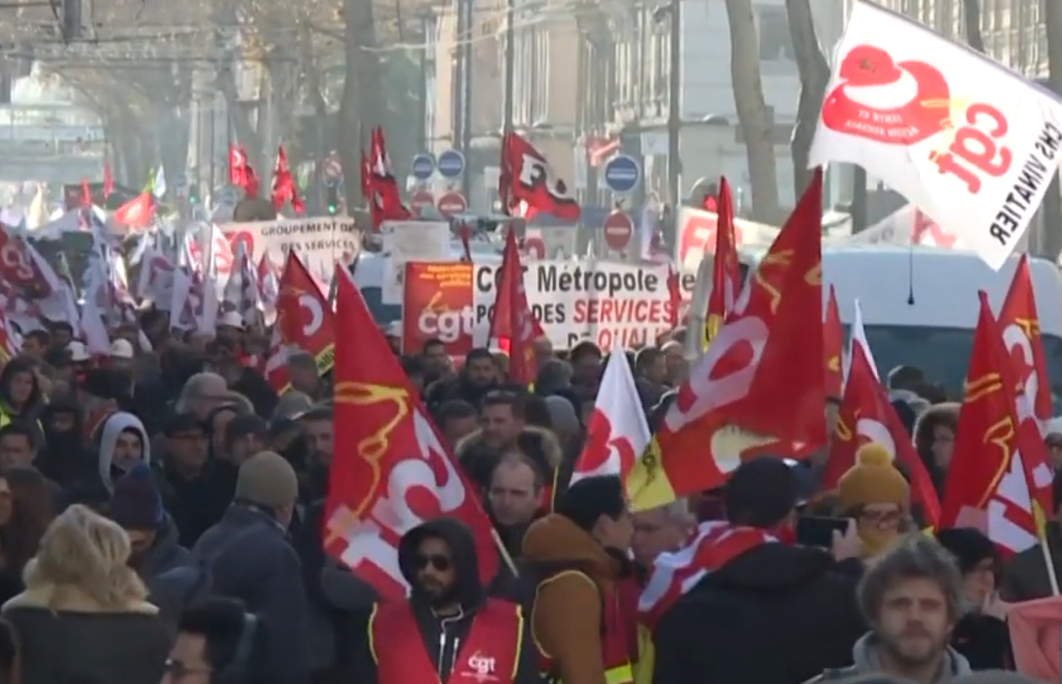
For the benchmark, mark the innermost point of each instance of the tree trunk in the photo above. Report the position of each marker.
(1051, 244)
(971, 19)
(753, 116)
(814, 77)
(363, 76)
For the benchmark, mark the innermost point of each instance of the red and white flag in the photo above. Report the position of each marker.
(972, 144)
(618, 432)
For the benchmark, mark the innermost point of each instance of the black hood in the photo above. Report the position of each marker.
(462, 547)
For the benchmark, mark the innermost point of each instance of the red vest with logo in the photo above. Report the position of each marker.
(489, 655)
(615, 641)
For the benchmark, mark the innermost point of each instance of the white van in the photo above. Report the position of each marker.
(920, 305)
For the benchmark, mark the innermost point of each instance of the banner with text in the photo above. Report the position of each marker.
(319, 240)
(573, 301)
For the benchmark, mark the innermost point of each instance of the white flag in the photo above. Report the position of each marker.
(971, 143)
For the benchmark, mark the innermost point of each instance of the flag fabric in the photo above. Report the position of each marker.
(867, 416)
(988, 480)
(617, 431)
(284, 190)
(158, 184)
(726, 271)
(1020, 322)
(385, 199)
(304, 321)
(528, 184)
(754, 388)
(971, 143)
(397, 473)
(512, 322)
(833, 347)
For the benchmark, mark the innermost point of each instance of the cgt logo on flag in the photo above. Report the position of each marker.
(971, 143)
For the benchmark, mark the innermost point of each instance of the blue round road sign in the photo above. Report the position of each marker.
(622, 173)
(451, 164)
(423, 166)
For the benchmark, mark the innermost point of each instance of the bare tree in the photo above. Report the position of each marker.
(814, 77)
(360, 107)
(756, 123)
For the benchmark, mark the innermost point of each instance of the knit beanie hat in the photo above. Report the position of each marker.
(969, 546)
(872, 480)
(266, 479)
(136, 503)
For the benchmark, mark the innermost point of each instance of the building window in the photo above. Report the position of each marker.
(776, 44)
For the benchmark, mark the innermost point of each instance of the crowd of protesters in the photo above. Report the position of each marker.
(161, 514)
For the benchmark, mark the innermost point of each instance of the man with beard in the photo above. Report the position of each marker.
(478, 376)
(448, 630)
(578, 555)
(912, 599)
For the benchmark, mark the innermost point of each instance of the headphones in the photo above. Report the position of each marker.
(236, 671)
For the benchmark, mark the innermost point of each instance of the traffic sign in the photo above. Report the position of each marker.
(622, 173)
(423, 166)
(333, 168)
(451, 203)
(451, 164)
(420, 200)
(618, 230)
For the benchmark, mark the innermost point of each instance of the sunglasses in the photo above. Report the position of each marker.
(440, 563)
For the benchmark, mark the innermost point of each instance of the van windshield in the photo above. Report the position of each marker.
(382, 313)
(944, 353)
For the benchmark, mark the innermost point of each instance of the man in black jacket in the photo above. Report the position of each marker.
(448, 630)
(774, 613)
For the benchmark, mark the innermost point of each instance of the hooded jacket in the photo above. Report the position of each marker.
(443, 637)
(478, 460)
(866, 662)
(113, 426)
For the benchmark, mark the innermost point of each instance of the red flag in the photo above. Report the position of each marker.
(988, 481)
(674, 296)
(512, 322)
(726, 272)
(833, 347)
(867, 416)
(528, 180)
(241, 173)
(1020, 323)
(284, 189)
(754, 388)
(108, 182)
(304, 320)
(86, 194)
(386, 203)
(396, 473)
(137, 212)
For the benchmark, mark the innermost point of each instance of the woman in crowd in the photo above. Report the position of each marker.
(83, 615)
(26, 509)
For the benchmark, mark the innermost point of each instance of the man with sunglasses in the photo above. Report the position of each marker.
(212, 646)
(448, 630)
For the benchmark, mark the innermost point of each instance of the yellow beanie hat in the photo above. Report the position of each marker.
(872, 480)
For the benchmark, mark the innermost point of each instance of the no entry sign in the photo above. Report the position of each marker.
(452, 203)
(618, 230)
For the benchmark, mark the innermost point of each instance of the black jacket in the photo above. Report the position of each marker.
(984, 641)
(442, 638)
(777, 614)
(251, 558)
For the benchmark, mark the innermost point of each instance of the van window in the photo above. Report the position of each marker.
(944, 354)
(381, 313)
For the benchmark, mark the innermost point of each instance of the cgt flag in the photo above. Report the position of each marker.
(971, 143)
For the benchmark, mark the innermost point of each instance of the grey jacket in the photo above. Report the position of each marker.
(866, 662)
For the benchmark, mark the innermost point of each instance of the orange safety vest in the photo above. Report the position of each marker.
(491, 653)
(615, 641)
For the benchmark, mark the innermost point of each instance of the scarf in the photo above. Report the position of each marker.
(674, 574)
